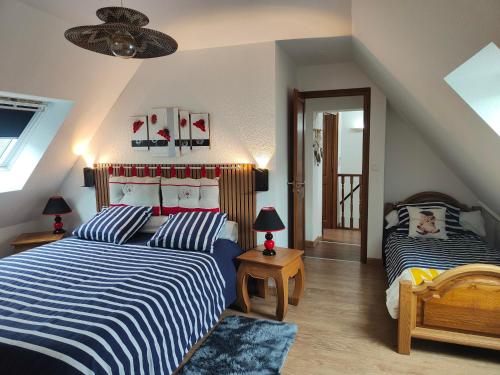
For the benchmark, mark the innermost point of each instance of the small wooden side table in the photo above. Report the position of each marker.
(28, 241)
(285, 264)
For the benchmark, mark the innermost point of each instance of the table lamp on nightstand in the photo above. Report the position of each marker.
(268, 221)
(57, 206)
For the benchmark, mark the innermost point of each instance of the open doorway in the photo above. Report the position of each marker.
(329, 152)
(342, 169)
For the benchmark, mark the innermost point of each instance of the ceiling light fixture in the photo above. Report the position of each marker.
(122, 34)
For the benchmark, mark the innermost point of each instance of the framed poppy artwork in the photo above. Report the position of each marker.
(200, 130)
(138, 126)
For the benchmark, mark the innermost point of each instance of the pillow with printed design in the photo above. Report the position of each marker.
(427, 223)
(452, 216)
(135, 191)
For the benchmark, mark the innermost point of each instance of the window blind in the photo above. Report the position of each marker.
(13, 122)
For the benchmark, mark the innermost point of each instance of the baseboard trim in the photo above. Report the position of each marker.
(313, 243)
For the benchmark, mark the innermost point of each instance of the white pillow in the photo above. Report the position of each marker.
(392, 219)
(427, 222)
(135, 191)
(473, 221)
(153, 224)
(229, 231)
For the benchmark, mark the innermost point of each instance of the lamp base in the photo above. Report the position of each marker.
(270, 252)
(58, 225)
(269, 245)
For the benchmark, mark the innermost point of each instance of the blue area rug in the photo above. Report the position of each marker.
(241, 345)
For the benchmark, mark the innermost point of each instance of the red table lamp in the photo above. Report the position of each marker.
(268, 221)
(57, 206)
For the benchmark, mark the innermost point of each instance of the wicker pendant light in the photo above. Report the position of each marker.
(122, 34)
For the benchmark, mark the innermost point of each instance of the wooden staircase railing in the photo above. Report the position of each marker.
(354, 184)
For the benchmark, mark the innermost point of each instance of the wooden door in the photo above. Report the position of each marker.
(330, 163)
(297, 185)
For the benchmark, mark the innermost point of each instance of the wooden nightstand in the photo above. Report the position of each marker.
(285, 264)
(28, 241)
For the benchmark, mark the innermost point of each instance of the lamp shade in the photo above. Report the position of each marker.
(268, 221)
(56, 206)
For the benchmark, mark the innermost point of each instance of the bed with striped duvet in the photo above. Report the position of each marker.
(78, 306)
(403, 253)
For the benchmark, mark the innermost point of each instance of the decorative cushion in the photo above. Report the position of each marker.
(114, 224)
(209, 194)
(189, 194)
(135, 191)
(474, 222)
(427, 222)
(452, 216)
(195, 231)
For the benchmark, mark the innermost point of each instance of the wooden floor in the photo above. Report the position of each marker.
(342, 235)
(334, 250)
(344, 328)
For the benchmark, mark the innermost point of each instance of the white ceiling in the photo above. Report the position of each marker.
(318, 51)
(202, 24)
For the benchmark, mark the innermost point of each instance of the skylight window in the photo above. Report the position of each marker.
(15, 118)
(27, 126)
(477, 81)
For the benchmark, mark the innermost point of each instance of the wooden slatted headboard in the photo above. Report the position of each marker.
(236, 195)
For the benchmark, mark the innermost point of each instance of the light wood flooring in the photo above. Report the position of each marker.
(344, 328)
(337, 244)
(334, 250)
(342, 235)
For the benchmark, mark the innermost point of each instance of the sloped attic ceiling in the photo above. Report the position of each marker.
(197, 24)
(408, 47)
(37, 60)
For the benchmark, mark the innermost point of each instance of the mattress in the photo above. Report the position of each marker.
(77, 306)
(403, 253)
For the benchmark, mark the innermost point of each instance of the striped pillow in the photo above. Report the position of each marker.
(114, 224)
(190, 231)
(452, 216)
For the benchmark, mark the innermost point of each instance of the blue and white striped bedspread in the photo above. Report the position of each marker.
(98, 308)
(403, 252)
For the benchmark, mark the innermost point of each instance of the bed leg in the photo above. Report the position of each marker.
(407, 316)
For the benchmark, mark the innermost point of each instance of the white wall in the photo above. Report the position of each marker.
(10, 233)
(286, 81)
(313, 176)
(348, 75)
(350, 142)
(236, 85)
(411, 166)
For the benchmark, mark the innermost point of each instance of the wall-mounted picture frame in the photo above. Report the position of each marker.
(200, 130)
(161, 125)
(138, 127)
(184, 131)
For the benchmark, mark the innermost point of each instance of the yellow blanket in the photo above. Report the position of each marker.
(418, 275)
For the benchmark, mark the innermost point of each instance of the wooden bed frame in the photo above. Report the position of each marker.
(460, 306)
(236, 190)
